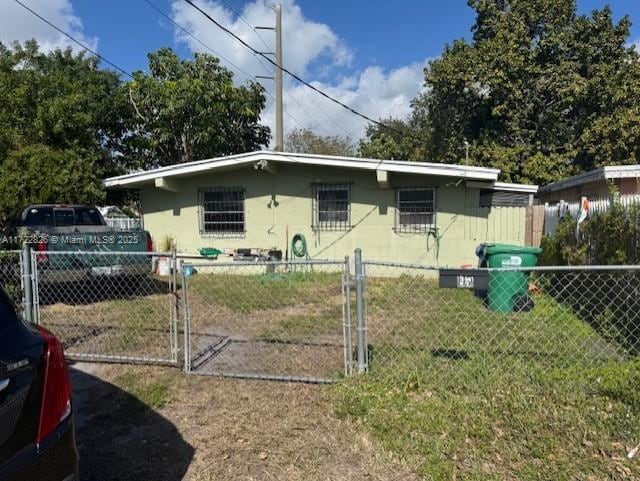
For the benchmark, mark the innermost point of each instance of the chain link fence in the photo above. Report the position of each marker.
(558, 323)
(267, 320)
(11, 277)
(317, 321)
(109, 306)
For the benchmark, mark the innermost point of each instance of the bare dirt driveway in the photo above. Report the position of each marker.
(142, 423)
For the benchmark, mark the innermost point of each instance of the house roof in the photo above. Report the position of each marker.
(603, 173)
(147, 177)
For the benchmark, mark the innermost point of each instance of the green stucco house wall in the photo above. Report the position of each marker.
(395, 211)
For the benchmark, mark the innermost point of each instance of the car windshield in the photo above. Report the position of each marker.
(63, 217)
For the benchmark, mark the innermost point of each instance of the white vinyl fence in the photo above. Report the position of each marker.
(124, 223)
(553, 212)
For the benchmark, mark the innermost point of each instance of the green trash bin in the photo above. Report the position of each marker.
(508, 291)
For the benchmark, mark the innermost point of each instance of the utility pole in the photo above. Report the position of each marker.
(279, 126)
(279, 147)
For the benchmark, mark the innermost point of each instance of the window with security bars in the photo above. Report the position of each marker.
(222, 212)
(332, 207)
(415, 209)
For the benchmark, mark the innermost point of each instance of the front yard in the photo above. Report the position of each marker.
(157, 424)
(454, 391)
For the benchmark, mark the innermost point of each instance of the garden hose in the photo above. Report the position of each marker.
(299, 246)
(434, 232)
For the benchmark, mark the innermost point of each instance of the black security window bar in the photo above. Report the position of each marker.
(415, 210)
(332, 207)
(222, 212)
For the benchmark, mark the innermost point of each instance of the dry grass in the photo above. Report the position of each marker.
(215, 429)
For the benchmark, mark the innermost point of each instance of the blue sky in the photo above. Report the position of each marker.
(368, 53)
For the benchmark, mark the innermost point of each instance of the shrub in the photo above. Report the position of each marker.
(609, 238)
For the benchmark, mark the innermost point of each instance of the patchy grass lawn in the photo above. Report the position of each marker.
(157, 424)
(459, 392)
(246, 293)
(454, 392)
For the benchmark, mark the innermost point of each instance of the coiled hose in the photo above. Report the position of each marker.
(299, 246)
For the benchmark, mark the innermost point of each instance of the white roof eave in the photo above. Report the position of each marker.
(523, 188)
(191, 168)
(603, 173)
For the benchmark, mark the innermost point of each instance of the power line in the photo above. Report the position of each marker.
(186, 31)
(240, 69)
(293, 75)
(78, 42)
(246, 22)
(295, 101)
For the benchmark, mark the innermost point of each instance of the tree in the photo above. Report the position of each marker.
(396, 139)
(305, 141)
(535, 90)
(60, 118)
(539, 92)
(185, 110)
(42, 174)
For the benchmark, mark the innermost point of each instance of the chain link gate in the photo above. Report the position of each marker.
(108, 307)
(287, 321)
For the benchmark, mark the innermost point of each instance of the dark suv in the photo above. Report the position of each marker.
(37, 440)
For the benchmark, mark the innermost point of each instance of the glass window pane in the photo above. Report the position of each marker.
(223, 210)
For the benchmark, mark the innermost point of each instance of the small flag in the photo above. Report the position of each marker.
(582, 216)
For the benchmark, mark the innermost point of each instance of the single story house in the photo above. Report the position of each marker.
(400, 211)
(598, 186)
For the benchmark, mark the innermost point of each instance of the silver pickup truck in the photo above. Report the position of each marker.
(73, 242)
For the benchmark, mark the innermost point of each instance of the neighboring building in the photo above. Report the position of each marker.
(393, 210)
(598, 186)
(593, 184)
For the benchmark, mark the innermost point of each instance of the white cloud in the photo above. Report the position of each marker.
(311, 50)
(16, 23)
(636, 44)
(373, 92)
(304, 40)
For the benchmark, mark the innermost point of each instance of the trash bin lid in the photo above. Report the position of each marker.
(511, 249)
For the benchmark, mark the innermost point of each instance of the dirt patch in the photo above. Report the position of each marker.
(216, 429)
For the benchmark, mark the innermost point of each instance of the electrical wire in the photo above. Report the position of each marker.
(206, 46)
(74, 40)
(246, 22)
(288, 72)
(188, 32)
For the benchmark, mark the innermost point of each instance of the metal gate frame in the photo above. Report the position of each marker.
(31, 288)
(346, 291)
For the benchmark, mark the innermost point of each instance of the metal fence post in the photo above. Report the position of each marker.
(27, 285)
(346, 318)
(187, 323)
(361, 327)
(175, 306)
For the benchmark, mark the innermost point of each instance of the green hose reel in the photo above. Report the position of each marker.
(299, 246)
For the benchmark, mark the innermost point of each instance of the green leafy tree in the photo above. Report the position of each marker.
(42, 174)
(185, 110)
(61, 116)
(305, 141)
(539, 92)
(396, 139)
